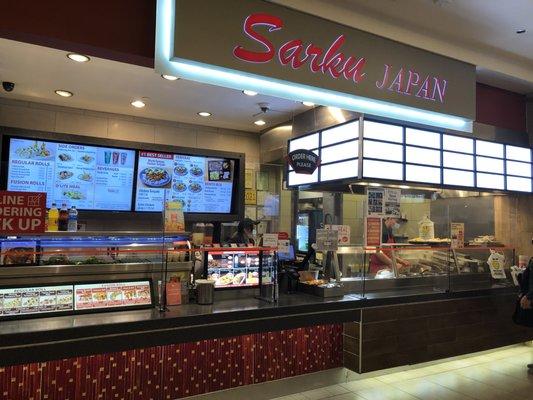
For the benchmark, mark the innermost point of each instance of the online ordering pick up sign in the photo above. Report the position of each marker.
(22, 212)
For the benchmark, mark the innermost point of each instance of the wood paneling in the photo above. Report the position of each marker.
(411, 333)
(500, 108)
(180, 370)
(121, 30)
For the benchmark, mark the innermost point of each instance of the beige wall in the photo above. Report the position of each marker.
(414, 210)
(353, 216)
(514, 223)
(49, 118)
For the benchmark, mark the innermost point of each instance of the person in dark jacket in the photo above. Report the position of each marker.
(526, 292)
(244, 234)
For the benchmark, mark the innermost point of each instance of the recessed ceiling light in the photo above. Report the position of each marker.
(204, 114)
(78, 57)
(138, 103)
(375, 184)
(63, 93)
(519, 31)
(249, 92)
(169, 77)
(260, 122)
(308, 103)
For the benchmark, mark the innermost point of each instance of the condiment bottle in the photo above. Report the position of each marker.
(53, 218)
(63, 218)
(426, 228)
(73, 219)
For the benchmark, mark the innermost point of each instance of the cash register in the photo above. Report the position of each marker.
(290, 266)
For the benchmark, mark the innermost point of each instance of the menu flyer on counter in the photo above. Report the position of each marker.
(88, 177)
(200, 184)
(327, 240)
(457, 230)
(112, 294)
(35, 300)
(344, 232)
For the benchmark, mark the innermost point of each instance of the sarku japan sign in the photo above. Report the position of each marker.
(255, 38)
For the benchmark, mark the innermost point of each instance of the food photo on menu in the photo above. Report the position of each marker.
(155, 177)
(88, 177)
(220, 170)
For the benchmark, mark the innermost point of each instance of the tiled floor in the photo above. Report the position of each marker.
(496, 375)
(499, 375)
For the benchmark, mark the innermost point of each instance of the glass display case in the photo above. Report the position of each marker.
(239, 267)
(56, 262)
(434, 268)
(417, 269)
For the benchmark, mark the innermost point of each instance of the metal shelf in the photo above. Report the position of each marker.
(82, 234)
(101, 270)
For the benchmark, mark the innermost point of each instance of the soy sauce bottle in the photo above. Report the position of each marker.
(63, 218)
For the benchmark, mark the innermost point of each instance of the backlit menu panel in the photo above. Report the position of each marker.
(35, 300)
(200, 184)
(88, 177)
(110, 295)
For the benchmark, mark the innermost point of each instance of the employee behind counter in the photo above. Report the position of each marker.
(245, 232)
(383, 259)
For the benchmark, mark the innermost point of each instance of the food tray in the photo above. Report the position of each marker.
(319, 291)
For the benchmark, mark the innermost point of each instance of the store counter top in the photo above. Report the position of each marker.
(40, 339)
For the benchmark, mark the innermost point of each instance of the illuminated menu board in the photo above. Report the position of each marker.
(35, 300)
(110, 295)
(200, 184)
(88, 177)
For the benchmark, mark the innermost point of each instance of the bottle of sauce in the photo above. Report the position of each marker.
(426, 228)
(208, 237)
(53, 218)
(63, 218)
(72, 219)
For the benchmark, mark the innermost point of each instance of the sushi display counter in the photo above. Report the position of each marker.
(426, 269)
(63, 272)
(239, 268)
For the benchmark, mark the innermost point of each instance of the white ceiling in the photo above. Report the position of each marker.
(481, 32)
(110, 86)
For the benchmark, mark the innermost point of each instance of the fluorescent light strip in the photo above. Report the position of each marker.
(239, 80)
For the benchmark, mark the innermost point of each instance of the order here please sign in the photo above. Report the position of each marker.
(22, 212)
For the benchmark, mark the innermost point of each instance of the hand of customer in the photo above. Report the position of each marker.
(525, 303)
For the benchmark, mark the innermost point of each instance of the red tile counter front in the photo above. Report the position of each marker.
(181, 370)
